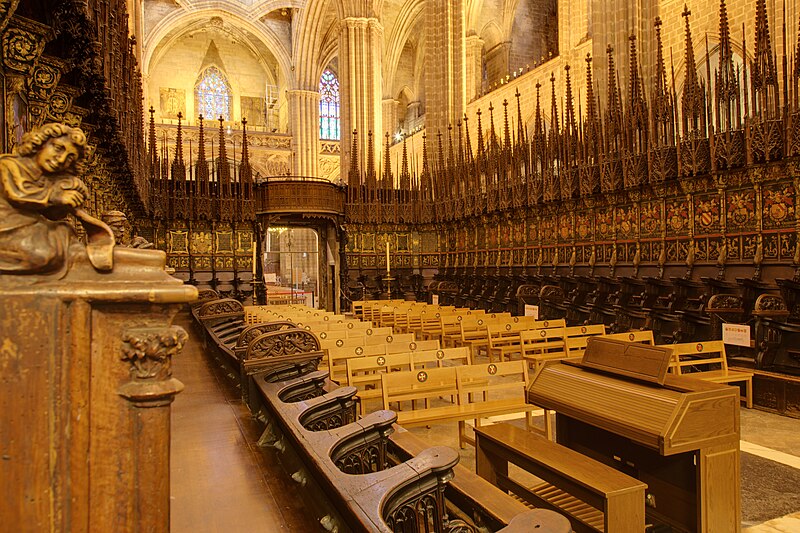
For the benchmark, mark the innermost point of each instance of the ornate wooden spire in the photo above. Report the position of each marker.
(763, 74)
(245, 172)
(405, 175)
(613, 106)
(223, 172)
(637, 114)
(388, 178)
(152, 151)
(371, 177)
(693, 97)
(591, 128)
(727, 96)
(353, 178)
(663, 110)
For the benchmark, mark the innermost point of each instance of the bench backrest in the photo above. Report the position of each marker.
(348, 342)
(431, 358)
(332, 335)
(544, 342)
(337, 359)
(413, 346)
(578, 335)
(708, 355)
(641, 336)
(424, 384)
(400, 338)
(493, 381)
(363, 372)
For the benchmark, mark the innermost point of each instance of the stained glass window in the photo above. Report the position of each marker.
(213, 94)
(328, 105)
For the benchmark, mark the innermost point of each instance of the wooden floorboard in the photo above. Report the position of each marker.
(220, 480)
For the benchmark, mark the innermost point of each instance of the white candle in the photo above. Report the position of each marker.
(388, 268)
(254, 260)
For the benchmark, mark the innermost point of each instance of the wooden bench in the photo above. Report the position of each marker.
(482, 391)
(578, 335)
(541, 345)
(364, 373)
(594, 496)
(707, 360)
(337, 359)
(640, 336)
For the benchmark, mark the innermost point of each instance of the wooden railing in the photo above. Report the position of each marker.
(293, 194)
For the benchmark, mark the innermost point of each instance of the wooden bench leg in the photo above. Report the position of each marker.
(462, 434)
(748, 387)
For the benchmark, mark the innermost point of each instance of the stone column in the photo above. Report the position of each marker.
(445, 73)
(304, 125)
(360, 49)
(473, 67)
(390, 115)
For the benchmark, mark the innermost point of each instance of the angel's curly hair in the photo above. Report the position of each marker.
(33, 140)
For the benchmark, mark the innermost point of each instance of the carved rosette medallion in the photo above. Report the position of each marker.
(149, 353)
(21, 49)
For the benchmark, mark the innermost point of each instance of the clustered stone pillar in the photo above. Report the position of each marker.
(360, 47)
(444, 73)
(390, 114)
(473, 67)
(304, 120)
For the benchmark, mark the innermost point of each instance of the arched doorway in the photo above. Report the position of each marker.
(291, 265)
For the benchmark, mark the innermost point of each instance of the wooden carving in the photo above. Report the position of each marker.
(40, 189)
(280, 343)
(149, 353)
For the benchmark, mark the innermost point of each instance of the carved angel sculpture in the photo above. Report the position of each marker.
(39, 188)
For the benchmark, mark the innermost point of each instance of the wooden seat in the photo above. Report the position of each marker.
(592, 495)
(707, 360)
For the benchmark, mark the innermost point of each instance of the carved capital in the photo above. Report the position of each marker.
(149, 353)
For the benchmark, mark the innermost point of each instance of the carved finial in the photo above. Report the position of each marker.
(388, 178)
(354, 178)
(370, 159)
(223, 172)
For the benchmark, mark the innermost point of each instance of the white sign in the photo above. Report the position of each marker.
(736, 334)
(532, 310)
(271, 277)
(435, 299)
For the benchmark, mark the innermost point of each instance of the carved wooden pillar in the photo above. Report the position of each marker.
(85, 366)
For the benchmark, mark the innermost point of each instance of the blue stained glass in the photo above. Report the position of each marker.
(213, 94)
(328, 106)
